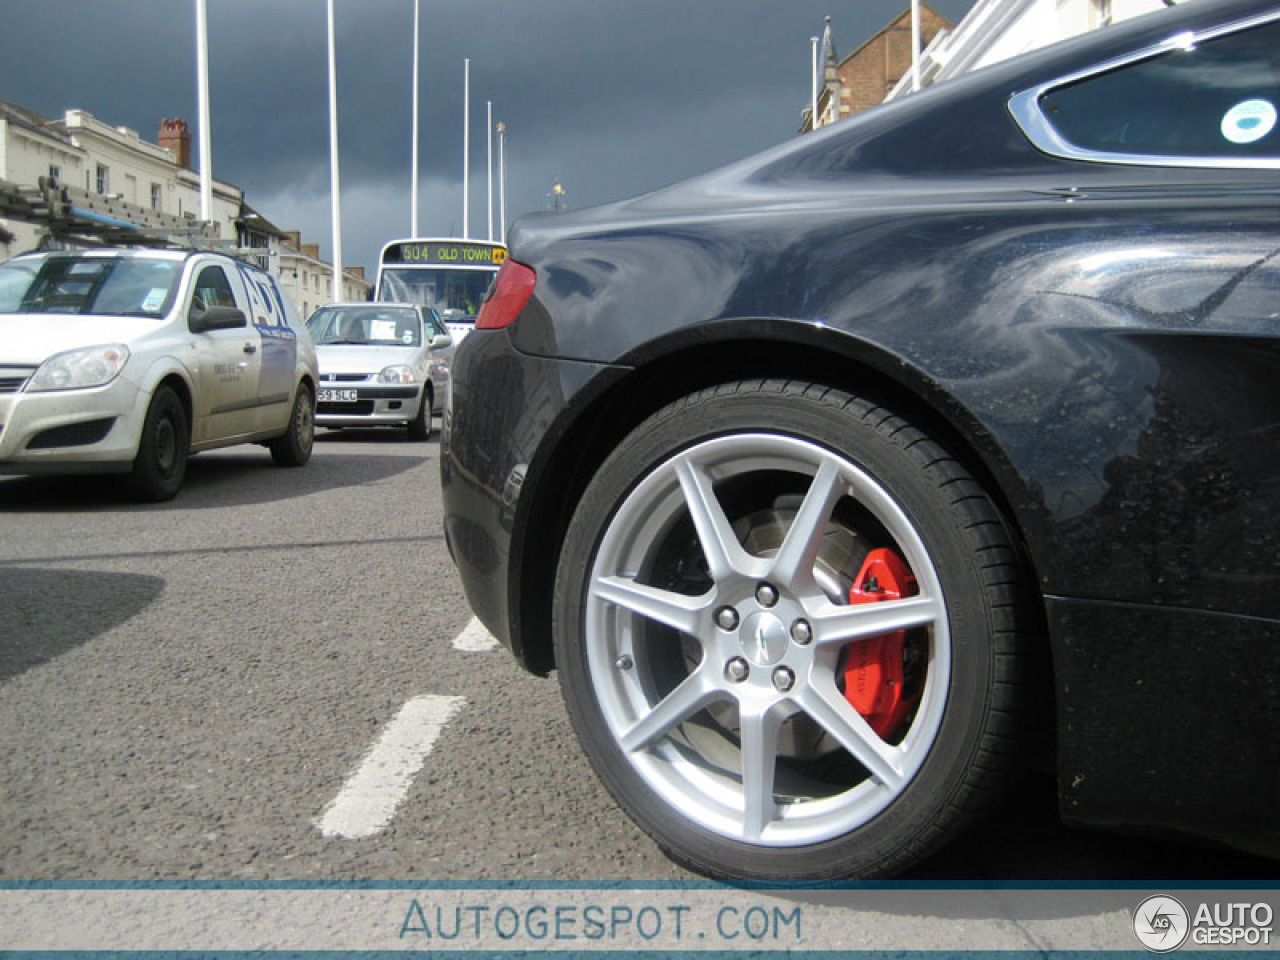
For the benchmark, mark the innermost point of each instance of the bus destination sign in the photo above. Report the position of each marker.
(446, 253)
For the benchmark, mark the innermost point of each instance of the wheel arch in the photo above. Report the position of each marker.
(179, 385)
(721, 353)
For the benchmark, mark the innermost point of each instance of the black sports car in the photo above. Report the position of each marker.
(841, 483)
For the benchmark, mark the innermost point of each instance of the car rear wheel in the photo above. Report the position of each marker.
(293, 447)
(161, 462)
(420, 426)
(787, 627)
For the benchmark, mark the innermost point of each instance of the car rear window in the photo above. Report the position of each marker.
(1218, 98)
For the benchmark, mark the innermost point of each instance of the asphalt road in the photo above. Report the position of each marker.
(187, 690)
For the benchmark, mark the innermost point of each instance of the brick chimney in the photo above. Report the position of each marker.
(176, 138)
(311, 250)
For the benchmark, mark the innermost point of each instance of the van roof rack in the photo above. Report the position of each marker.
(76, 217)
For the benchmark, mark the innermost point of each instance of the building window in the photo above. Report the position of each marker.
(157, 197)
(104, 180)
(55, 172)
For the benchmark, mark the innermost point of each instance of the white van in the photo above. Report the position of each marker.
(126, 361)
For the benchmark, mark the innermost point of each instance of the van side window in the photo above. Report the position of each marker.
(213, 289)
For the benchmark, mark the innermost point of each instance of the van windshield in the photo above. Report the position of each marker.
(106, 286)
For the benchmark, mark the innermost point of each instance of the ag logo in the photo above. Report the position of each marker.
(1161, 923)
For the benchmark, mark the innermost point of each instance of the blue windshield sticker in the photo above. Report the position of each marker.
(1249, 121)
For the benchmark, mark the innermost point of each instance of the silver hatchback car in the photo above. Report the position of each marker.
(381, 364)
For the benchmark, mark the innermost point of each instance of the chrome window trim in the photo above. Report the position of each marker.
(1025, 107)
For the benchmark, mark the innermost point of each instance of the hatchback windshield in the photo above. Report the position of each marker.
(109, 286)
(383, 326)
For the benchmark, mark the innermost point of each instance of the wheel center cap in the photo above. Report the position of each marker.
(764, 639)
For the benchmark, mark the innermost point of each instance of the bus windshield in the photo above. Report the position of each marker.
(447, 274)
(455, 294)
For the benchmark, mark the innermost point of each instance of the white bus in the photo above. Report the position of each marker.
(449, 275)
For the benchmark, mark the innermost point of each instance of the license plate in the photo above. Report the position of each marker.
(338, 396)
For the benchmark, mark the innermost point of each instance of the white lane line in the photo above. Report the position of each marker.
(370, 797)
(474, 638)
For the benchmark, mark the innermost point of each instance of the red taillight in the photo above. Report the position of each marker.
(512, 289)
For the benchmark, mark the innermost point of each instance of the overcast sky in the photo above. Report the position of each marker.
(609, 97)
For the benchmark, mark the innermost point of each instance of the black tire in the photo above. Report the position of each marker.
(755, 457)
(161, 462)
(293, 447)
(420, 425)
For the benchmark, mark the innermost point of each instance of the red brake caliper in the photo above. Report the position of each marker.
(873, 672)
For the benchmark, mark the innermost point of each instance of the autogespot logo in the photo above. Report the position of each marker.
(1161, 923)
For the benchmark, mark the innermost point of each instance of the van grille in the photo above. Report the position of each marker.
(13, 378)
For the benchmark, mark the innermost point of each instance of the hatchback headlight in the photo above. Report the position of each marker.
(78, 369)
(396, 374)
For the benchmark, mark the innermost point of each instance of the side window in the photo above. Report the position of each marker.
(1213, 100)
(213, 289)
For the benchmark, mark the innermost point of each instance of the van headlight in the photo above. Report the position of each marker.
(78, 369)
(396, 374)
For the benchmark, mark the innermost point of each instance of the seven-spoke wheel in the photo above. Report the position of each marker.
(779, 612)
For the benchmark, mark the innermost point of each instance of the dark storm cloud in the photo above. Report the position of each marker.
(611, 98)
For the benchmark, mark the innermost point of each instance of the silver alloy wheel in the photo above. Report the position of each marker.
(767, 640)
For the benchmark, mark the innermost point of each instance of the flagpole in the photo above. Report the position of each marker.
(206, 145)
(813, 110)
(413, 187)
(333, 162)
(915, 45)
(502, 183)
(488, 126)
(466, 147)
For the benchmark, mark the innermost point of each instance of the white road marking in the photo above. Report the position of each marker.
(474, 638)
(369, 799)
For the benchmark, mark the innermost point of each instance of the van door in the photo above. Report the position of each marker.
(229, 363)
(278, 372)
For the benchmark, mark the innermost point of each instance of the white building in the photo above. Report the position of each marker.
(121, 177)
(996, 30)
(310, 278)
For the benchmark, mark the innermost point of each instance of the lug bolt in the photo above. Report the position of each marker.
(727, 619)
(802, 633)
(766, 595)
(737, 670)
(784, 679)
(624, 662)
